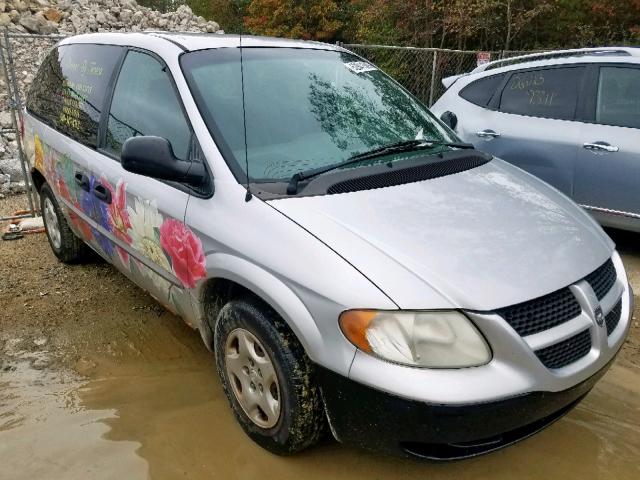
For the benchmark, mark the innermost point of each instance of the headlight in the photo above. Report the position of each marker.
(438, 339)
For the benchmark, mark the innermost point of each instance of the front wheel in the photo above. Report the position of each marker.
(64, 243)
(267, 378)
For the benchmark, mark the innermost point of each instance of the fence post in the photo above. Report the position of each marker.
(14, 104)
(433, 77)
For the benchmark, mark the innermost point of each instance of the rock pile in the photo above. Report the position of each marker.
(69, 17)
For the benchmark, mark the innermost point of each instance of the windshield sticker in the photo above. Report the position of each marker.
(360, 67)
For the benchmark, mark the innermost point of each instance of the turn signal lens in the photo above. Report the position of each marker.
(439, 339)
(354, 325)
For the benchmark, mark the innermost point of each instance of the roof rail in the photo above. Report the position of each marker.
(577, 52)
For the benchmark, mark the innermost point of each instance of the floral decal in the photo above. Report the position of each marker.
(38, 153)
(145, 231)
(166, 242)
(185, 251)
(97, 210)
(80, 224)
(119, 218)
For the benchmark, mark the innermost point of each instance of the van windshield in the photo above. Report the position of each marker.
(305, 108)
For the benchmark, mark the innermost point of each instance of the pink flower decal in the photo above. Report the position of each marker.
(118, 216)
(185, 251)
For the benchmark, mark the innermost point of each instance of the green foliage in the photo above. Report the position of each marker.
(462, 24)
(314, 19)
(204, 8)
(229, 14)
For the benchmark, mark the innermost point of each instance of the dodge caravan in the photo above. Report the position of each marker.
(354, 267)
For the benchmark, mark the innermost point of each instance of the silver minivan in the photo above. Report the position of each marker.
(354, 266)
(570, 117)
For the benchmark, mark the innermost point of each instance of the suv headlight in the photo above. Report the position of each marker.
(437, 339)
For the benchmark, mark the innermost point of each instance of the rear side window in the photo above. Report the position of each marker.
(146, 103)
(619, 97)
(551, 93)
(481, 91)
(69, 90)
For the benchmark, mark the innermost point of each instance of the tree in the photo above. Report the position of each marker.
(229, 14)
(315, 19)
(461, 24)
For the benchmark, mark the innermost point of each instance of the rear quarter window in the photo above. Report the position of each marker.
(68, 92)
(548, 93)
(481, 91)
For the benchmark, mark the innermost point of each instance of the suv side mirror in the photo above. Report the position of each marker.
(153, 157)
(450, 119)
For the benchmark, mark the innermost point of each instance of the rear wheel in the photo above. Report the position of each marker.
(267, 378)
(64, 243)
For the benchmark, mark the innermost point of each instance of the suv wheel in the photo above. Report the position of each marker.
(267, 378)
(64, 243)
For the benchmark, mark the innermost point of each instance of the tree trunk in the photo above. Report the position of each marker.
(507, 42)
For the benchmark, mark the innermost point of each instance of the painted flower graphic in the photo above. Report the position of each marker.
(49, 160)
(97, 210)
(145, 231)
(185, 251)
(118, 217)
(80, 224)
(38, 153)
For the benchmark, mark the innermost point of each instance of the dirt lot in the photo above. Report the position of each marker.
(99, 381)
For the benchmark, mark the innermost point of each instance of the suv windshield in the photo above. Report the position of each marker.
(305, 108)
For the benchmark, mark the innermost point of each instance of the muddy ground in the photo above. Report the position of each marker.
(98, 381)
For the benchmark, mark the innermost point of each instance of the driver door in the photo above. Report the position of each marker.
(143, 216)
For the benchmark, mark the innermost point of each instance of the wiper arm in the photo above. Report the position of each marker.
(404, 146)
(292, 188)
(437, 143)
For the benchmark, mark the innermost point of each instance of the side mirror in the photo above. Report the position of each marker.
(153, 157)
(450, 119)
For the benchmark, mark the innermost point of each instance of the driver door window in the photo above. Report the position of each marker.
(146, 103)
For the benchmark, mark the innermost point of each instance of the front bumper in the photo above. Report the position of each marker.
(375, 420)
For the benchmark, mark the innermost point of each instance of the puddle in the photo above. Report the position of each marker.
(161, 414)
(46, 432)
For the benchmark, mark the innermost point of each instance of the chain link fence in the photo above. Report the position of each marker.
(20, 57)
(421, 70)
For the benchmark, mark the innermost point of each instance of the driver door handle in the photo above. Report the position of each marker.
(82, 181)
(487, 134)
(102, 193)
(600, 147)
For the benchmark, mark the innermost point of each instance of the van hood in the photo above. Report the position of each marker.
(482, 239)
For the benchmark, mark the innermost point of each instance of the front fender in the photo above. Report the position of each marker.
(328, 348)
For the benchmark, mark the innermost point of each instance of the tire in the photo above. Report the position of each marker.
(65, 244)
(301, 421)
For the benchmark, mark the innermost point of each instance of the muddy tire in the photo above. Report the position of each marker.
(267, 378)
(64, 243)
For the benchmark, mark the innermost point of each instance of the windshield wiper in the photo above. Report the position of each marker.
(404, 146)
